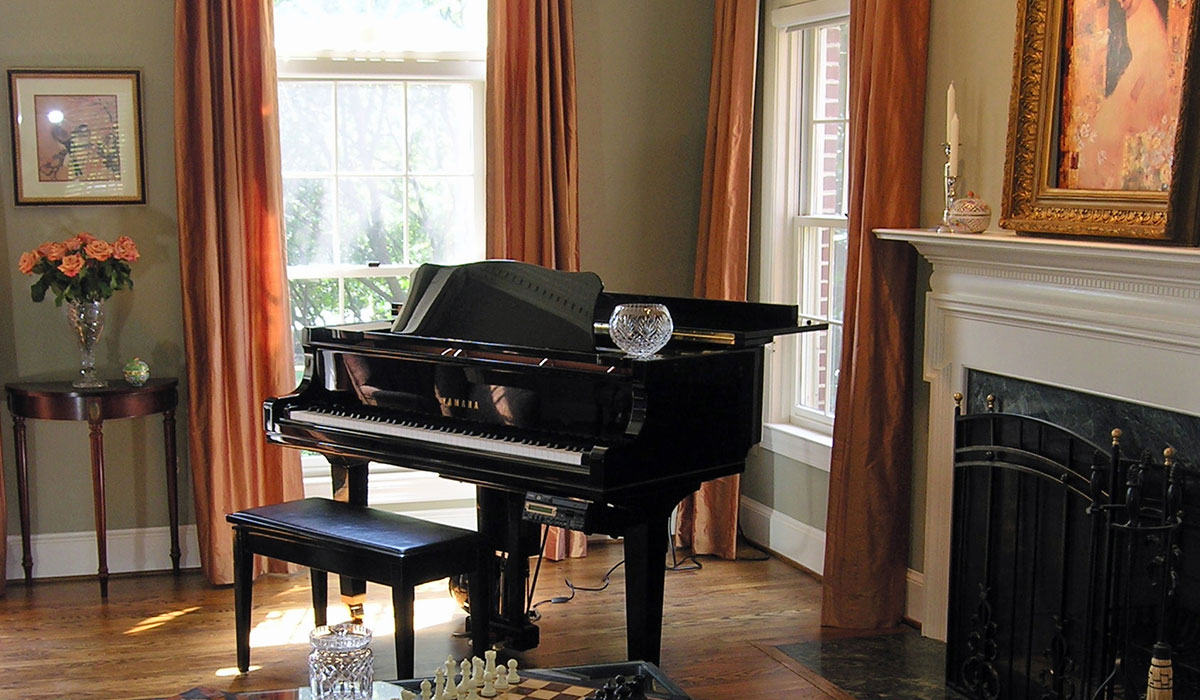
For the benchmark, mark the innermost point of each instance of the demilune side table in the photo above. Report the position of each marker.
(61, 401)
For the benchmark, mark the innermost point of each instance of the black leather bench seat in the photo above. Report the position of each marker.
(358, 542)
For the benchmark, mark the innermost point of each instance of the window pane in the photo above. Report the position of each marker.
(831, 72)
(815, 273)
(308, 220)
(441, 219)
(827, 188)
(837, 274)
(370, 298)
(370, 127)
(371, 220)
(819, 357)
(314, 303)
(442, 131)
(306, 125)
(362, 26)
(833, 367)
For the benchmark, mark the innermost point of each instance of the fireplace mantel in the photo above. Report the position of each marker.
(1114, 319)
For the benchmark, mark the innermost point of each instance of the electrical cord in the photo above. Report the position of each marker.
(529, 609)
(751, 545)
(556, 600)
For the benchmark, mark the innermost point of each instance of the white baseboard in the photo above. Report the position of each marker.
(801, 543)
(914, 600)
(74, 553)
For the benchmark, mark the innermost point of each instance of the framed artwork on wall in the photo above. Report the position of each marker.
(77, 136)
(1183, 212)
(1097, 86)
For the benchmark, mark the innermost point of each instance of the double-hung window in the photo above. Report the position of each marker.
(381, 106)
(804, 202)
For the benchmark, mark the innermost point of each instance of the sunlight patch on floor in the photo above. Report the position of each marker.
(230, 671)
(159, 620)
(433, 606)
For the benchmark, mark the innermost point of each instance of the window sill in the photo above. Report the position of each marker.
(801, 444)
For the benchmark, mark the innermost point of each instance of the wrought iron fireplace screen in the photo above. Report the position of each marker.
(1068, 571)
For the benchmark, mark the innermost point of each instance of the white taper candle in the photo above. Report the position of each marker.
(953, 146)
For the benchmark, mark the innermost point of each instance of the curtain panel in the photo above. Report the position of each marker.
(866, 552)
(237, 324)
(707, 520)
(533, 152)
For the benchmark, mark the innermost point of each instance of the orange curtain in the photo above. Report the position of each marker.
(866, 551)
(237, 332)
(533, 152)
(707, 519)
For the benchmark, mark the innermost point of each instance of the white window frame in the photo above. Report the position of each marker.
(391, 485)
(428, 68)
(804, 436)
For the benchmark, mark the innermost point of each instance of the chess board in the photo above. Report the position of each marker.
(543, 690)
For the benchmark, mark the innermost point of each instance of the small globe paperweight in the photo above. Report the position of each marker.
(339, 667)
(640, 329)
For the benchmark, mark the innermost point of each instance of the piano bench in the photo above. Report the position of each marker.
(362, 543)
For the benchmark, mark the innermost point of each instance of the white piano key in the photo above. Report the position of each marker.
(443, 436)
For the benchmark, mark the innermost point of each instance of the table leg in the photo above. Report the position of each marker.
(172, 485)
(23, 496)
(96, 437)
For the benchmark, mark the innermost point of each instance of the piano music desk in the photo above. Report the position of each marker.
(61, 401)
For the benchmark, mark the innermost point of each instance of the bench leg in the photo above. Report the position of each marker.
(402, 607)
(243, 582)
(479, 588)
(320, 595)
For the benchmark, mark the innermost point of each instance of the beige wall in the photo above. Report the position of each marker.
(34, 342)
(643, 105)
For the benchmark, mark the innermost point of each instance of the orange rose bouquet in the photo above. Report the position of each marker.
(81, 268)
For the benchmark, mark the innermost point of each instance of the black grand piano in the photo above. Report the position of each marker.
(502, 374)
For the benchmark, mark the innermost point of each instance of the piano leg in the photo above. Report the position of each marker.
(645, 569)
(350, 486)
(499, 519)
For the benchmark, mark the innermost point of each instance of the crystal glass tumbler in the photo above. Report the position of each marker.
(640, 329)
(339, 667)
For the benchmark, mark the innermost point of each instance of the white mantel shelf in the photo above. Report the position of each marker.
(1115, 319)
(1085, 260)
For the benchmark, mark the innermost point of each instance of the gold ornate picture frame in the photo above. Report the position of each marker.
(1089, 153)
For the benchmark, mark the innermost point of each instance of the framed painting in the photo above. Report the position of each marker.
(1183, 211)
(1097, 88)
(77, 136)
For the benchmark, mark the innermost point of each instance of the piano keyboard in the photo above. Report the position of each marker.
(445, 437)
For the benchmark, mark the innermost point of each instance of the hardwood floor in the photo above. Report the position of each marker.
(157, 635)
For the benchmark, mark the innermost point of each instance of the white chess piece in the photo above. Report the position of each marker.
(512, 678)
(476, 672)
(426, 690)
(501, 682)
(489, 687)
(407, 694)
(439, 683)
(473, 694)
(464, 669)
(489, 668)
